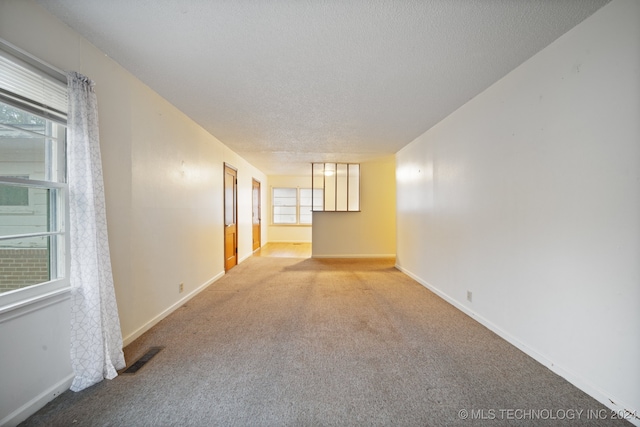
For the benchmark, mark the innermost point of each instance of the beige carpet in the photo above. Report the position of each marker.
(307, 342)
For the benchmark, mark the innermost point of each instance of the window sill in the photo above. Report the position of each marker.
(28, 305)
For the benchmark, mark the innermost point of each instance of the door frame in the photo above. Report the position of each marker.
(255, 184)
(230, 261)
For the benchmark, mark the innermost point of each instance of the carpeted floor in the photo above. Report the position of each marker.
(309, 342)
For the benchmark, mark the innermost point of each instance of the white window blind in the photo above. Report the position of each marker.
(285, 201)
(25, 86)
(307, 197)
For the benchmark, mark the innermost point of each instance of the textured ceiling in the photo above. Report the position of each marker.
(285, 83)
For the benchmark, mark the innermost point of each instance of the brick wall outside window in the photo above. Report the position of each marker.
(23, 267)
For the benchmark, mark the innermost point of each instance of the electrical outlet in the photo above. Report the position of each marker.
(180, 287)
(469, 296)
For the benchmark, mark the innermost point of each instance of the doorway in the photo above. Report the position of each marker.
(255, 192)
(230, 217)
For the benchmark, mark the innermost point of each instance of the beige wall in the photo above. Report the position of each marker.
(528, 196)
(368, 233)
(163, 185)
(286, 233)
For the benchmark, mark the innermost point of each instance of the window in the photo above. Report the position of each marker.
(33, 188)
(339, 185)
(310, 200)
(293, 206)
(14, 196)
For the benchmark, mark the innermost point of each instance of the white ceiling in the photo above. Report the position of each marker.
(287, 82)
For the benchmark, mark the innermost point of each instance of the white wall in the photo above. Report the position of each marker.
(368, 233)
(246, 172)
(529, 197)
(34, 357)
(163, 185)
(286, 233)
(177, 230)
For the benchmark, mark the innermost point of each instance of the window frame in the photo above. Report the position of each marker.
(274, 206)
(298, 207)
(311, 206)
(54, 181)
(336, 180)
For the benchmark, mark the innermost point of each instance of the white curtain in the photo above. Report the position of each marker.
(96, 339)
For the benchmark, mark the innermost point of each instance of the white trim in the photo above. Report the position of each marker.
(597, 393)
(38, 402)
(287, 241)
(48, 69)
(25, 306)
(354, 256)
(154, 321)
(298, 207)
(246, 257)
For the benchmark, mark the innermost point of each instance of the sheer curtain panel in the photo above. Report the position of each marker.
(96, 339)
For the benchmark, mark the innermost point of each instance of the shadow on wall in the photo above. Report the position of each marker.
(345, 264)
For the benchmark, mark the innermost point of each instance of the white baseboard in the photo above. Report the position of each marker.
(618, 408)
(151, 323)
(353, 256)
(288, 241)
(246, 257)
(38, 402)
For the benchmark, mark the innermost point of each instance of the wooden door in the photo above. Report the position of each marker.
(230, 217)
(256, 214)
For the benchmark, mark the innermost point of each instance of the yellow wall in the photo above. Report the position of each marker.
(285, 233)
(368, 233)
